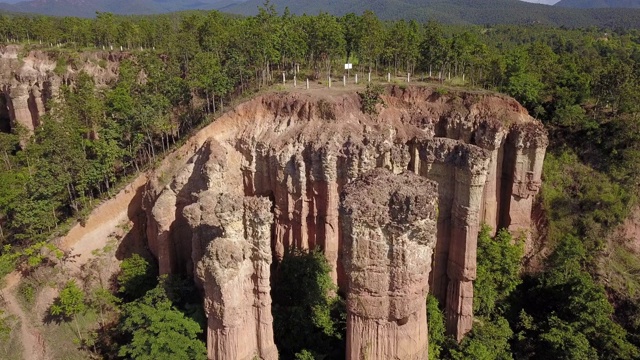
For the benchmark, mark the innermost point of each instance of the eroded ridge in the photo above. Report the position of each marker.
(389, 227)
(299, 151)
(28, 82)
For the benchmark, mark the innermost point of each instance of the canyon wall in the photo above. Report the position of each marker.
(478, 154)
(29, 79)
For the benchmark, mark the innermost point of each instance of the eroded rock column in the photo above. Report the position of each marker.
(492, 138)
(18, 96)
(325, 198)
(524, 156)
(460, 170)
(461, 265)
(389, 232)
(235, 271)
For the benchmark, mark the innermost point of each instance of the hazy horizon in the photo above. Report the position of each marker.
(546, 2)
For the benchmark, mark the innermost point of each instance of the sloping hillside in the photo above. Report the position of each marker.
(592, 4)
(88, 8)
(444, 11)
(456, 11)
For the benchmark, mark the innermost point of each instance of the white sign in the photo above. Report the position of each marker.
(348, 66)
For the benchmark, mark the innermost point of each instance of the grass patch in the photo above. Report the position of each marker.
(62, 338)
(26, 294)
(581, 201)
(623, 269)
(456, 81)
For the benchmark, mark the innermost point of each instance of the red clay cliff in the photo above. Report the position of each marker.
(477, 155)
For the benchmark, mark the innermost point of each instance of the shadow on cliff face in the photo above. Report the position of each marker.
(33, 109)
(5, 118)
(134, 241)
(180, 230)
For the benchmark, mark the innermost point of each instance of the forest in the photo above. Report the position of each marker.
(578, 300)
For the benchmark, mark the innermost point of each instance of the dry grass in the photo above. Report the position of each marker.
(10, 346)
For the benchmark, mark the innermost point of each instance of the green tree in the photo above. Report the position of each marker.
(326, 40)
(307, 313)
(433, 51)
(105, 29)
(69, 303)
(158, 331)
(563, 341)
(207, 77)
(498, 272)
(136, 277)
(489, 340)
(370, 44)
(305, 355)
(582, 323)
(435, 319)
(104, 301)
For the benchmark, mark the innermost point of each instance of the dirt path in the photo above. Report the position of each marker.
(33, 344)
(81, 241)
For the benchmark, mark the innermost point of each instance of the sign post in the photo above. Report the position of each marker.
(348, 66)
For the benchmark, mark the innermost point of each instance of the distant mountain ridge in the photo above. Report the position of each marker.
(458, 11)
(445, 11)
(599, 4)
(88, 8)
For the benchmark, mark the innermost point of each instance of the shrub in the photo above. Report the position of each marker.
(136, 277)
(370, 98)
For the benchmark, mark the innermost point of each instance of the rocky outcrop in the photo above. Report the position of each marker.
(226, 244)
(234, 271)
(389, 232)
(302, 150)
(29, 79)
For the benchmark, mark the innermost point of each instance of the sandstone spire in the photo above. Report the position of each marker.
(235, 271)
(389, 232)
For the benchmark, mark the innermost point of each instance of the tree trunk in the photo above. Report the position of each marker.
(75, 319)
(207, 96)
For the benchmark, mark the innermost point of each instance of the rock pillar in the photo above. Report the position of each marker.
(461, 265)
(460, 170)
(492, 139)
(235, 271)
(524, 155)
(389, 232)
(18, 96)
(325, 198)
